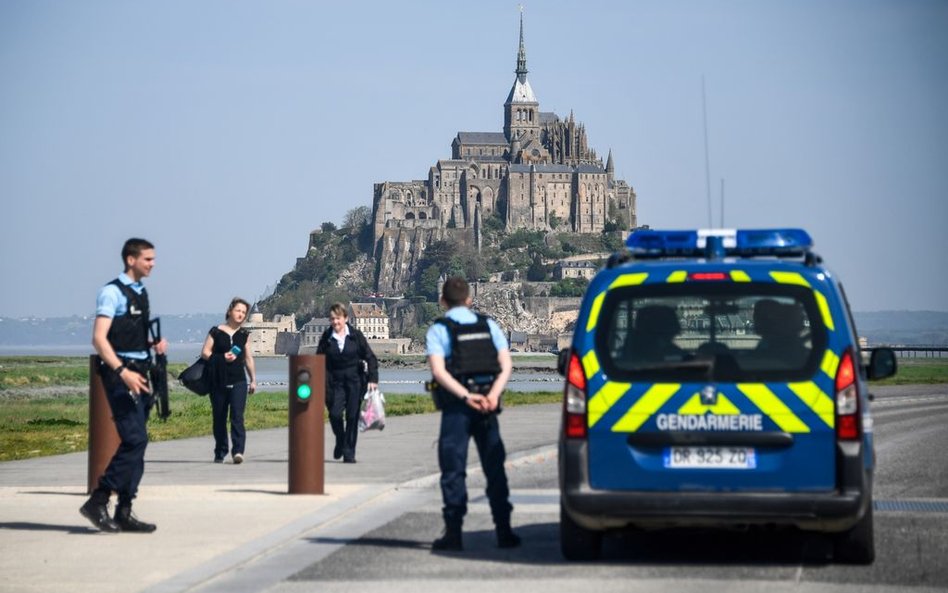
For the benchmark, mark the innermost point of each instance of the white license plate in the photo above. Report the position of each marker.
(710, 457)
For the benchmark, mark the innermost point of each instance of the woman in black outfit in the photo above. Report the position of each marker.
(351, 368)
(225, 350)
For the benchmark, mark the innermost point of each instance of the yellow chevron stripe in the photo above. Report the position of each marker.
(790, 278)
(740, 276)
(650, 402)
(830, 364)
(590, 364)
(724, 406)
(677, 276)
(770, 404)
(604, 399)
(594, 311)
(818, 401)
(629, 280)
(824, 310)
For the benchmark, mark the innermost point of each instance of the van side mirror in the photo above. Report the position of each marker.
(561, 359)
(882, 364)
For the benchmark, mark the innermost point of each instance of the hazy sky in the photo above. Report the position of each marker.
(225, 131)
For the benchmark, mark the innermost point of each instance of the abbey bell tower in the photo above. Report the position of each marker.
(521, 110)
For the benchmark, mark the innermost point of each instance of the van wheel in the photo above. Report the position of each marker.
(856, 546)
(577, 542)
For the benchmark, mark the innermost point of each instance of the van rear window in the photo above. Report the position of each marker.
(735, 332)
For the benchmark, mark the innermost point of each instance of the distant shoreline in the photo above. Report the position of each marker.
(187, 352)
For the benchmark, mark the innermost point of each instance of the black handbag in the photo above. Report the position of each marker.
(195, 377)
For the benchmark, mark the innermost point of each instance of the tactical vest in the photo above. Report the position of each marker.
(473, 354)
(129, 332)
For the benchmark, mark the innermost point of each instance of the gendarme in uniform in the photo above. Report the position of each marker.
(121, 338)
(481, 339)
(126, 303)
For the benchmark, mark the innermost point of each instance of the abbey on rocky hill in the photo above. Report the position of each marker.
(538, 174)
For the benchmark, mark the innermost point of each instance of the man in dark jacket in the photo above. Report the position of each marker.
(351, 368)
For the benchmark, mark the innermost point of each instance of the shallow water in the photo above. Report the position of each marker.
(272, 372)
(272, 375)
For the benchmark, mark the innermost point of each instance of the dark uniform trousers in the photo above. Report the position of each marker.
(458, 424)
(343, 397)
(130, 414)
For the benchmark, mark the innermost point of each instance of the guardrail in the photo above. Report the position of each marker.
(915, 351)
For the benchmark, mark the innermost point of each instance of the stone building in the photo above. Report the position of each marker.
(579, 266)
(539, 173)
(272, 338)
(574, 269)
(311, 332)
(370, 319)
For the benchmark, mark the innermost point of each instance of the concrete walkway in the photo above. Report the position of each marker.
(214, 518)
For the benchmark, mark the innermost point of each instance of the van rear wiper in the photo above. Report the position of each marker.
(697, 364)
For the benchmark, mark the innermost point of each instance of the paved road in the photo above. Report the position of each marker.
(233, 528)
(214, 519)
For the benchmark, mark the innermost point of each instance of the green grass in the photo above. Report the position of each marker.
(913, 371)
(44, 407)
(36, 427)
(48, 422)
(42, 371)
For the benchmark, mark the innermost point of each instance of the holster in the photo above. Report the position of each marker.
(112, 382)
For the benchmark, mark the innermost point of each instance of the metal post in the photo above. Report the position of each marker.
(103, 437)
(307, 426)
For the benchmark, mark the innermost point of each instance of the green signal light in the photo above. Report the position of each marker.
(303, 390)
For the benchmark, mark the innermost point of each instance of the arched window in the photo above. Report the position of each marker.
(410, 216)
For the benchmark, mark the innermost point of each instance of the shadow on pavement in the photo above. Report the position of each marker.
(541, 546)
(27, 526)
(378, 542)
(253, 491)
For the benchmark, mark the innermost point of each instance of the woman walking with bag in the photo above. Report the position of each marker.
(351, 367)
(225, 350)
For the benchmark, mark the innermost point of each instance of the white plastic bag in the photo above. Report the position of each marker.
(372, 416)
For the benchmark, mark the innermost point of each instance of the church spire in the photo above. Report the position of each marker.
(521, 110)
(521, 54)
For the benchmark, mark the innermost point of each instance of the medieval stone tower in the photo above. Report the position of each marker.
(539, 174)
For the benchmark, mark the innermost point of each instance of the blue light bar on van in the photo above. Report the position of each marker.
(719, 243)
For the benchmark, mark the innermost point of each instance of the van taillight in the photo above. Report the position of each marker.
(574, 399)
(847, 400)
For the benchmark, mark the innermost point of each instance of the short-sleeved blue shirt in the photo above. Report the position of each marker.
(438, 341)
(112, 303)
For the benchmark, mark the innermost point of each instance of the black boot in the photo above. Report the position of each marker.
(129, 522)
(506, 538)
(337, 451)
(450, 541)
(97, 513)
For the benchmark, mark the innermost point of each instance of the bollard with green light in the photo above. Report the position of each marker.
(307, 393)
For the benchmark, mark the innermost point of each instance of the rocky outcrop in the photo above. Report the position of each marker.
(400, 250)
(505, 302)
(353, 276)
